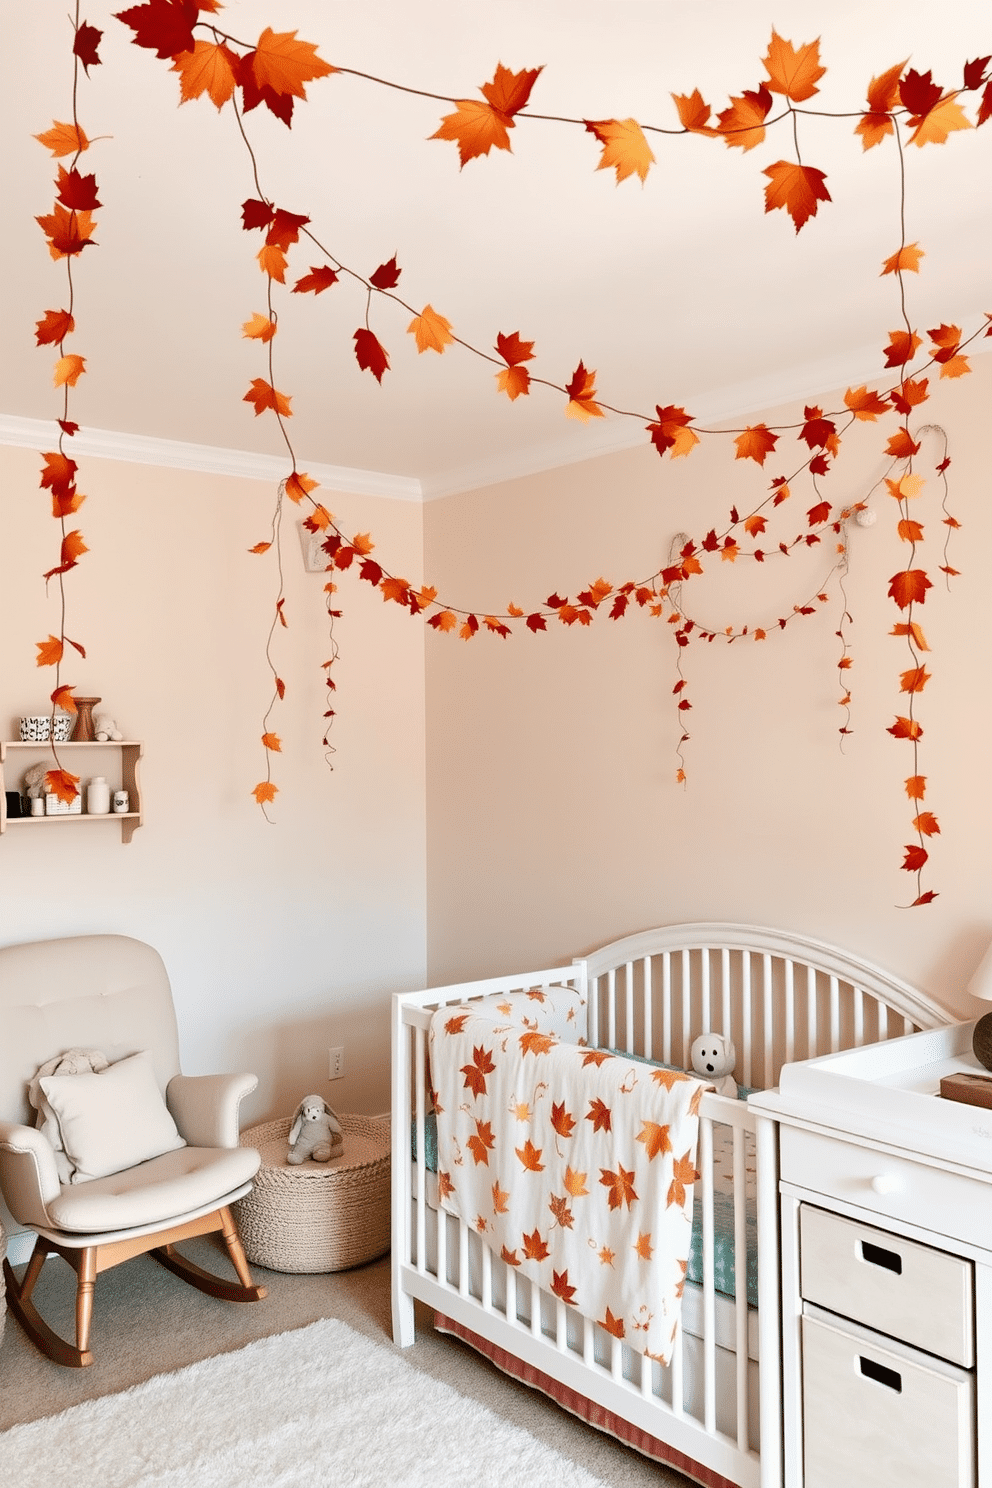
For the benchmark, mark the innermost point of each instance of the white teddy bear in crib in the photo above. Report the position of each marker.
(713, 1058)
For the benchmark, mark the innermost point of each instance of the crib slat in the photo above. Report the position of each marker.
(611, 1005)
(678, 1373)
(859, 1017)
(709, 1310)
(767, 1025)
(811, 1011)
(462, 1258)
(646, 992)
(746, 1015)
(740, 1284)
(486, 1299)
(628, 1042)
(726, 1020)
(666, 1008)
(883, 1021)
(706, 1016)
(834, 1015)
(419, 1037)
(790, 1011)
(686, 1007)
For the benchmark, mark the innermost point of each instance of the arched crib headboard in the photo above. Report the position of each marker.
(778, 995)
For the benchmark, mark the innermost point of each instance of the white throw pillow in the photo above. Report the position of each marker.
(113, 1120)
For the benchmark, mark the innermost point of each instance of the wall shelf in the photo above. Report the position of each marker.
(81, 759)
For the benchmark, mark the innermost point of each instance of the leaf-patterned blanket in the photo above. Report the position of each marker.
(576, 1165)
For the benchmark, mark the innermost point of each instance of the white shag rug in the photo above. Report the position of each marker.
(322, 1405)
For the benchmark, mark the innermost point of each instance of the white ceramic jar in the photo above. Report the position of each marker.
(98, 796)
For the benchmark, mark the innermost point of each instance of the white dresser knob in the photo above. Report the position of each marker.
(886, 1183)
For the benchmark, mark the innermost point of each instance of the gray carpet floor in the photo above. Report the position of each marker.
(148, 1322)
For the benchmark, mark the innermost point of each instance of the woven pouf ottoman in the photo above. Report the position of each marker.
(317, 1216)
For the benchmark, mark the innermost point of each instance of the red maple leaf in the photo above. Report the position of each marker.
(85, 45)
(370, 353)
(164, 26)
(909, 587)
(320, 277)
(387, 275)
(76, 191)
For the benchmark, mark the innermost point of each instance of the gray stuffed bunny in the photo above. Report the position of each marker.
(315, 1132)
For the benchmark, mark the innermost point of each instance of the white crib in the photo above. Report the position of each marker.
(714, 1412)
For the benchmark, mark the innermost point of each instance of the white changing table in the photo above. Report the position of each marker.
(886, 1211)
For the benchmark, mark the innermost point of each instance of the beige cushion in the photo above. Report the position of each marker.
(189, 1180)
(111, 1121)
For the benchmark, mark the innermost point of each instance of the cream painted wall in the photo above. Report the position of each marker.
(556, 822)
(280, 940)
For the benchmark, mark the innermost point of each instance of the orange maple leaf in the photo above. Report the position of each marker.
(480, 1143)
(562, 1213)
(60, 783)
(68, 231)
(272, 260)
(906, 260)
(933, 127)
(797, 188)
(477, 127)
(209, 68)
(272, 741)
(510, 1257)
(743, 123)
(756, 443)
(596, 1057)
(500, 1196)
(672, 431)
(63, 139)
(914, 680)
(600, 1115)
(905, 728)
(265, 791)
(580, 392)
(914, 632)
(68, 370)
(62, 698)
(259, 328)
(513, 381)
(910, 531)
(263, 395)
(476, 1072)
(901, 445)
(655, 1138)
(865, 405)
(683, 1176)
(902, 347)
(533, 1042)
(625, 149)
(299, 485)
(49, 652)
(916, 786)
(909, 587)
(794, 71)
(456, 1024)
(643, 1248)
(575, 1183)
(613, 1325)
(926, 823)
(530, 1157)
(561, 1288)
(694, 113)
(562, 1121)
(883, 96)
(430, 330)
(282, 63)
(620, 1185)
(534, 1247)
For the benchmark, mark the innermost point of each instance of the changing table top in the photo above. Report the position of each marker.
(889, 1092)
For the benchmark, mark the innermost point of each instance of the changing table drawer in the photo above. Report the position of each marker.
(890, 1186)
(879, 1417)
(911, 1291)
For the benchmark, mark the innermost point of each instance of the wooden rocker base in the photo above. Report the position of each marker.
(89, 1261)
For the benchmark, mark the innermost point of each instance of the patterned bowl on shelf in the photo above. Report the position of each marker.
(62, 727)
(36, 730)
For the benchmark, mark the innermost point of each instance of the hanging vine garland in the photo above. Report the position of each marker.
(275, 72)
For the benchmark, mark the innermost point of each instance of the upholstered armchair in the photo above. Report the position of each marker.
(110, 1165)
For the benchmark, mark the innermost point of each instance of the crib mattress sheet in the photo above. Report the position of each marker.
(724, 1250)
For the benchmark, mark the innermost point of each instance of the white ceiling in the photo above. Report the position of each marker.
(679, 291)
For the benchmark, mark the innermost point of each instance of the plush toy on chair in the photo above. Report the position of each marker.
(713, 1058)
(315, 1132)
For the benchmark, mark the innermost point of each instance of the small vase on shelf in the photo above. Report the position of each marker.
(98, 797)
(84, 732)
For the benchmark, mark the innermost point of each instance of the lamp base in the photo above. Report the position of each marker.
(981, 1040)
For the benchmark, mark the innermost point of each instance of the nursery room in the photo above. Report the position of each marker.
(493, 630)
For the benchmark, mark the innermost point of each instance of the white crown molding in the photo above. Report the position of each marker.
(139, 449)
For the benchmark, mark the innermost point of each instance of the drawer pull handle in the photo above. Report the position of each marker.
(877, 1255)
(886, 1183)
(891, 1378)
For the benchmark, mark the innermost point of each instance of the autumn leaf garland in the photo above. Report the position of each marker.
(275, 72)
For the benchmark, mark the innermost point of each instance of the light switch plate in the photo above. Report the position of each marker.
(314, 557)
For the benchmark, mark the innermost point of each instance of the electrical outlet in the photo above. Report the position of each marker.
(315, 560)
(335, 1064)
